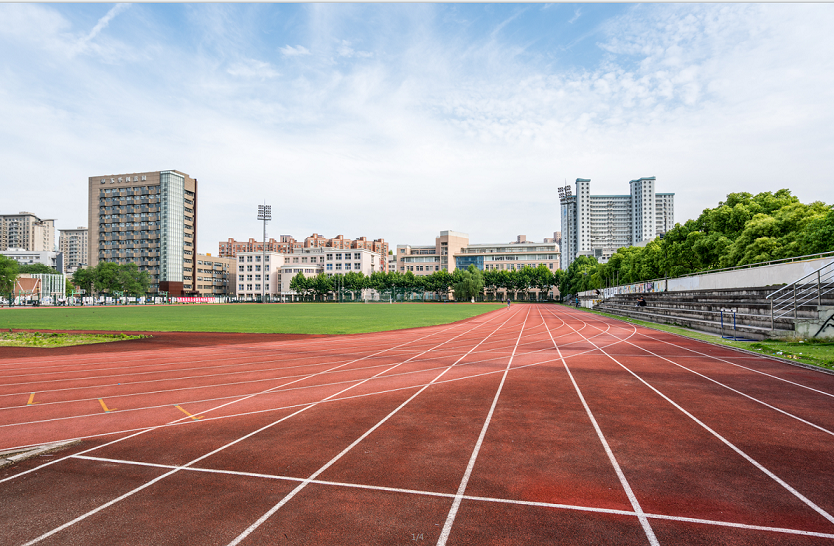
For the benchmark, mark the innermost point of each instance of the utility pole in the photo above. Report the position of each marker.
(264, 214)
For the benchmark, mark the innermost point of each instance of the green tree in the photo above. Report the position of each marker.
(817, 235)
(37, 269)
(470, 285)
(543, 279)
(300, 284)
(106, 277)
(321, 285)
(8, 274)
(84, 279)
(131, 281)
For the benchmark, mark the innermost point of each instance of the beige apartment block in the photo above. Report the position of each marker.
(214, 276)
(287, 245)
(26, 231)
(425, 260)
(148, 218)
(74, 245)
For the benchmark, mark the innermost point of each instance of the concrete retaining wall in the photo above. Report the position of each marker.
(766, 275)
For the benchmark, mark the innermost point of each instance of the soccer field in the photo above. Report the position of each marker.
(308, 318)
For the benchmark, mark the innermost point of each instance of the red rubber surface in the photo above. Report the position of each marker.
(533, 425)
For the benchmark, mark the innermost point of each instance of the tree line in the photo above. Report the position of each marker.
(10, 270)
(112, 278)
(465, 284)
(743, 229)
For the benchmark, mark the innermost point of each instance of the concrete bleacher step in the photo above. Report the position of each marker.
(701, 310)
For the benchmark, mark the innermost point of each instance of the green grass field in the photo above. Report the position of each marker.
(308, 318)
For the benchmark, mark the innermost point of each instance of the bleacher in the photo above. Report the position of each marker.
(701, 310)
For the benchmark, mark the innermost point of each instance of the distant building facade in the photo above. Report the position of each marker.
(214, 276)
(147, 218)
(425, 260)
(597, 225)
(512, 256)
(55, 260)
(271, 273)
(26, 231)
(74, 245)
(287, 245)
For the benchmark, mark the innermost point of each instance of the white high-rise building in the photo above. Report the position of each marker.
(72, 243)
(597, 225)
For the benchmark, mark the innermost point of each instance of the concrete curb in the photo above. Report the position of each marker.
(15, 456)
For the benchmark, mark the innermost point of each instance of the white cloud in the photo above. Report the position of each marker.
(576, 14)
(437, 131)
(83, 43)
(290, 51)
(253, 69)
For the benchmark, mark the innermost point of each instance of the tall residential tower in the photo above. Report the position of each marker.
(149, 219)
(597, 225)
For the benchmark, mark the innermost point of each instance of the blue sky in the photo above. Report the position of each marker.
(401, 120)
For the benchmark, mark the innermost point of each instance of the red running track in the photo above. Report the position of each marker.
(531, 425)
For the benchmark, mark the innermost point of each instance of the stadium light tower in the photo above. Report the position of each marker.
(264, 214)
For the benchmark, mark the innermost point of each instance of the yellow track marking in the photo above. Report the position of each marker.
(31, 399)
(188, 414)
(104, 406)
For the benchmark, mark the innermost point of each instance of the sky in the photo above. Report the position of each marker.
(402, 120)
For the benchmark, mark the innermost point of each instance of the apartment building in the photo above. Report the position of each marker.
(214, 276)
(287, 245)
(512, 256)
(331, 261)
(26, 231)
(148, 218)
(425, 260)
(597, 225)
(257, 274)
(73, 244)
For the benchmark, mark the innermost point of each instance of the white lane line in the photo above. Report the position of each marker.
(184, 419)
(635, 504)
(202, 457)
(332, 461)
(740, 366)
(783, 412)
(450, 518)
(540, 504)
(729, 444)
(179, 422)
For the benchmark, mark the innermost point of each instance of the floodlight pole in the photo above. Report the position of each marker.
(264, 214)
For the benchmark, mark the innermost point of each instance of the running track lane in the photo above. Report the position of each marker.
(715, 448)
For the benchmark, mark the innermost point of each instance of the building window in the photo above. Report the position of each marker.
(257, 277)
(338, 267)
(330, 256)
(357, 256)
(357, 266)
(248, 268)
(248, 277)
(330, 267)
(266, 277)
(240, 267)
(257, 287)
(257, 268)
(240, 287)
(338, 256)
(249, 287)
(347, 266)
(249, 258)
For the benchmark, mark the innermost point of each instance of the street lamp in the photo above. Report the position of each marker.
(265, 215)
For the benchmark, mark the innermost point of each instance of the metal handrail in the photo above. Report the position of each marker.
(798, 293)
